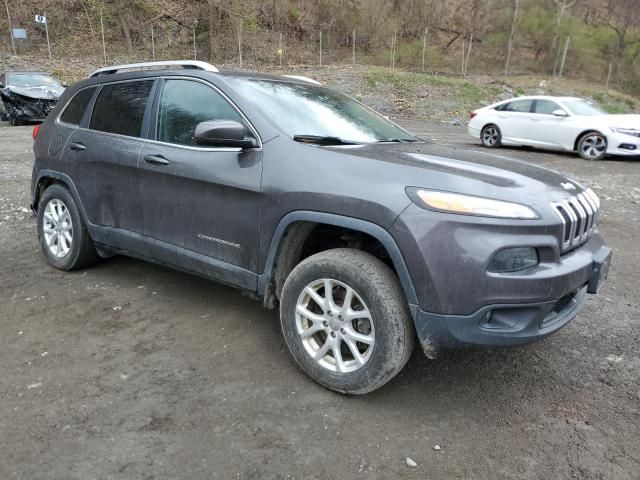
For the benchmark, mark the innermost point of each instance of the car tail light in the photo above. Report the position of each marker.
(472, 114)
(35, 132)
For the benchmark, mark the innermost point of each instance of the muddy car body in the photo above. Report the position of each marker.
(28, 96)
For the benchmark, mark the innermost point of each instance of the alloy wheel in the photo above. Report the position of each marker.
(593, 146)
(57, 228)
(490, 136)
(335, 325)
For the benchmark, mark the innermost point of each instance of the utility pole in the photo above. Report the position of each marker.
(512, 34)
(13, 43)
(564, 56)
(104, 46)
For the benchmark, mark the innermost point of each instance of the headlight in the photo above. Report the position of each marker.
(470, 205)
(627, 131)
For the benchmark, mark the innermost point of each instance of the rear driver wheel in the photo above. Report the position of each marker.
(491, 136)
(63, 235)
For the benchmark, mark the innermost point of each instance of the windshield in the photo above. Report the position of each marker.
(31, 80)
(582, 107)
(305, 110)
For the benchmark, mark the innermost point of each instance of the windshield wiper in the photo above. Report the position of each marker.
(323, 140)
(397, 140)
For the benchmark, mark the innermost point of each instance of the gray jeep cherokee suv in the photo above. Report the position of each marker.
(364, 235)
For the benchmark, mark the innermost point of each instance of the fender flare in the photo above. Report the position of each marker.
(67, 182)
(376, 231)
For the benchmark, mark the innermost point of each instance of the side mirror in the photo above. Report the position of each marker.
(223, 133)
(559, 113)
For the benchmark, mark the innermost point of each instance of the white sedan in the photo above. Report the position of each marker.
(557, 123)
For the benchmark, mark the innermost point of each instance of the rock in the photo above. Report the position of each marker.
(411, 463)
(456, 122)
(436, 447)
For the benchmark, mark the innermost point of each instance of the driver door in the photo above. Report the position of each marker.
(201, 205)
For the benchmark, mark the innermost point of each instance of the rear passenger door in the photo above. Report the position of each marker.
(201, 205)
(105, 155)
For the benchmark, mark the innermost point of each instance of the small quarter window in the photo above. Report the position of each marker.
(184, 104)
(120, 108)
(74, 111)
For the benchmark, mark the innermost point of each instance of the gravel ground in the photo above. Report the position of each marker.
(132, 371)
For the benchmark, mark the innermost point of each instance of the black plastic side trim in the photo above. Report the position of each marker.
(372, 229)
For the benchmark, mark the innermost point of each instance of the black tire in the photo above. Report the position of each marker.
(14, 122)
(592, 146)
(81, 252)
(377, 286)
(491, 136)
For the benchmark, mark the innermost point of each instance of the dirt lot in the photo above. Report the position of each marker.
(132, 371)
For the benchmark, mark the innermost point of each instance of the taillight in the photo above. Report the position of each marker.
(472, 114)
(36, 129)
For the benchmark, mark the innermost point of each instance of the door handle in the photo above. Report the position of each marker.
(156, 160)
(77, 146)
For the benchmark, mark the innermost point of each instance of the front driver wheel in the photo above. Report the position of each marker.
(592, 146)
(346, 321)
(491, 136)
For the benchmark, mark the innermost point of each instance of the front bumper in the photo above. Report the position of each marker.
(623, 145)
(509, 324)
(462, 303)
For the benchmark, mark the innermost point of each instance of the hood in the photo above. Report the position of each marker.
(44, 93)
(464, 170)
(630, 121)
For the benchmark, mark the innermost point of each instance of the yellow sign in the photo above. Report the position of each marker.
(279, 51)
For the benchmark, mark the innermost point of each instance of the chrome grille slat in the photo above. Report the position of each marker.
(578, 215)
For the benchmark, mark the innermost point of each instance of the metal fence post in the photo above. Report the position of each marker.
(193, 31)
(240, 42)
(354, 47)
(153, 45)
(320, 47)
(609, 76)
(104, 46)
(564, 56)
(13, 43)
(424, 46)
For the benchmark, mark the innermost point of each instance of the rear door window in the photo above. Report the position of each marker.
(521, 106)
(184, 104)
(74, 111)
(120, 108)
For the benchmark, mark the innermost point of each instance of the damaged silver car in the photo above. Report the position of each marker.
(28, 96)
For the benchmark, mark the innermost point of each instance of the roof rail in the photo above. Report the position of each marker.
(188, 64)
(303, 79)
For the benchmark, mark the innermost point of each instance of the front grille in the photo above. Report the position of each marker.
(579, 216)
